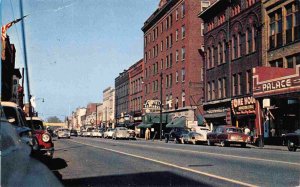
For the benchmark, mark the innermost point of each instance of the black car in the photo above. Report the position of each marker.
(176, 135)
(73, 133)
(292, 140)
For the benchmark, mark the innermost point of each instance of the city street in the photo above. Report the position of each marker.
(95, 161)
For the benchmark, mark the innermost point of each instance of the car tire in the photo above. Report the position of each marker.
(209, 143)
(243, 145)
(291, 146)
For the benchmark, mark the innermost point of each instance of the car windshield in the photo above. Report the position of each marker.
(37, 124)
(11, 115)
(234, 130)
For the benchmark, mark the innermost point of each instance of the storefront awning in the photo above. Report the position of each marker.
(155, 118)
(177, 123)
(144, 126)
(215, 115)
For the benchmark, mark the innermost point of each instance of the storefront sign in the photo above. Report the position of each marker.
(274, 81)
(245, 105)
(152, 104)
(216, 110)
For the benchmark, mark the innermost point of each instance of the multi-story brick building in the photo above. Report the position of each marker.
(276, 85)
(108, 115)
(122, 96)
(172, 41)
(136, 94)
(232, 48)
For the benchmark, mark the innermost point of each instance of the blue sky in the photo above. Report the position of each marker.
(76, 48)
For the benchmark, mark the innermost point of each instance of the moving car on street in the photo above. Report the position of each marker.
(96, 133)
(73, 132)
(44, 145)
(120, 133)
(176, 135)
(193, 137)
(227, 135)
(109, 133)
(292, 140)
(63, 133)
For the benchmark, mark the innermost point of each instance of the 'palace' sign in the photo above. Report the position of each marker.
(275, 81)
(245, 105)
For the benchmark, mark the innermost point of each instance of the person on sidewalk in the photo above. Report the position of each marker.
(147, 134)
(247, 131)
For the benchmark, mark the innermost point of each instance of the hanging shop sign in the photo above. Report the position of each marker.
(278, 81)
(244, 105)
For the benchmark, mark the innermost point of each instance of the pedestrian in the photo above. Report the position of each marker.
(247, 131)
(147, 134)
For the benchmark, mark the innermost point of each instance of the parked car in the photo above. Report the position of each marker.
(292, 140)
(18, 167)
(132, 134)
(227, 135)
(108, 133)
(63, 133)
(193, 137)
(120, 133)
(16, 117)
(73, 132)
(44, 146)
(96, 133)
(176, 135)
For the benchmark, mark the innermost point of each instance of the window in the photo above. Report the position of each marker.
(145, 57)
(292, 61)
(212, 57)
(220, 53)
(292, 22)
(208, 91)
(219, 88)
(224, 87)
(213, 91)
(167, 62)
(171, 40)
(204, 5)
(176, 76)
(297, 22)
(250, 2)
(297, 58)
(182, 74)
(167, 81)
(176, 35)
(235, 10)
(171, 20)
(249, 40)
(277, 63)
(167, 42)
(289, 62)
(170, 80)
(171, 59)
(183, 98)
(234, 47)
(202, 29)
(161, 45)
(176, 13)
(183, 53)
(248, 82)
(183, 31)
(162, 27)
(234, 85)
(162, 64)
(239, 84)
(289, 24)
(208, 58)
(182, 10)
(177, 56)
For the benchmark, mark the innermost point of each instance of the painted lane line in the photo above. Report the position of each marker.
(216, 154)
(171, 165)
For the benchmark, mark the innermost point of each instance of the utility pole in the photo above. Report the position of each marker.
(160, 112)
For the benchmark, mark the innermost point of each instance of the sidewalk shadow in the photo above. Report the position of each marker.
(139, 179)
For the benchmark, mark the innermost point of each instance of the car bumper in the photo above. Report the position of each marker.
(47, 152)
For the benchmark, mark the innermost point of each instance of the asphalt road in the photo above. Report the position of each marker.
(101, 162)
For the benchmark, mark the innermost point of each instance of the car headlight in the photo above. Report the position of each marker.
(45, 138)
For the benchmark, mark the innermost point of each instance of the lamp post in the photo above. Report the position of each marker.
(160, 111)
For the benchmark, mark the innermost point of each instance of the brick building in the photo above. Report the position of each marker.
(136, 94)
(276, 85)
(232, 48)
(122, 97)
(172, 41)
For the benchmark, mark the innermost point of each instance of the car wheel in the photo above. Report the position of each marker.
(243, 145)
(210, 143)
(291, 146)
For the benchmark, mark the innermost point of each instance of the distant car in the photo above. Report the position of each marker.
(227, 135)
(16, 117)
(120, 133)
(109, 133)
(293, 140)
(73, 132)
(63, 133)
(176, 135)
(96, 133)
(44, 146)
(194, 138)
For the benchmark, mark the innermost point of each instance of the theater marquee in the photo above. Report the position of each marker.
(275, 81)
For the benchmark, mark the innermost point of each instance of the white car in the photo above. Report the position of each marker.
(109, 133)
(121, 133)
(96, 133)
(63, 133)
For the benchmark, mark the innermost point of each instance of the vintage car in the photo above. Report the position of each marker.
(96, 133)
(44, 144)
(176, 135)
(193, 137)
(18, 167)
(15, 116)
(227, 135)
(109, 133)
(293, 140)
(120, 133)
(63, 133)
(132, 134)
(73, 132)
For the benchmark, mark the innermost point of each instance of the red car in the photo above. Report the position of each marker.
(226, 135)
(44, 144)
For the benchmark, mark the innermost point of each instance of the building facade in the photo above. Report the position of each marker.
(108, 115)
(136, 94)
(122, 96)
(173, 64)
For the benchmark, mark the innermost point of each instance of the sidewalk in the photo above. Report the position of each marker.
(267, 147)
